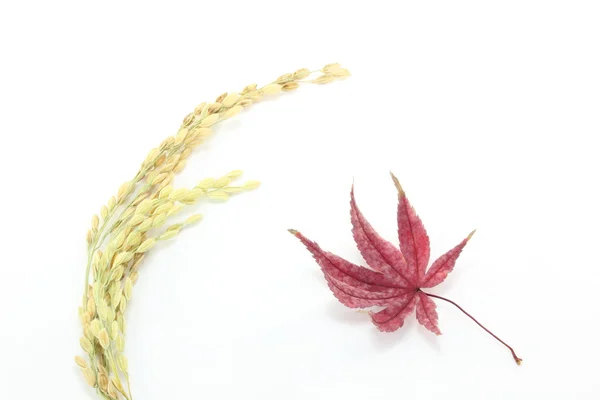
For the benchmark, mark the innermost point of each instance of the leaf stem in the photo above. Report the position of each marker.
(517, 359)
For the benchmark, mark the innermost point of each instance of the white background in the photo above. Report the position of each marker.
(486, 111)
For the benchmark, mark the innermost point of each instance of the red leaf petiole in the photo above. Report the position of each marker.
(517, 359)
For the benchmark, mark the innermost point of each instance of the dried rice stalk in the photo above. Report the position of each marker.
(126, 227)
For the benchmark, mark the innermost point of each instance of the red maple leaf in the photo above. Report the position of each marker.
(397, 276)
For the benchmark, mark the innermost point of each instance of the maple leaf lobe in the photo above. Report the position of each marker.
(392, 317)
(380, 255)
(427, 314)
(441, 267)
(414, 242)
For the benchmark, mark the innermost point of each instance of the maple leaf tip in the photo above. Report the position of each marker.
(397, 184)
(471, 234)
